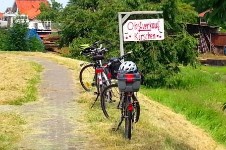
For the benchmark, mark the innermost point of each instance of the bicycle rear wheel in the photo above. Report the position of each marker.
(110, 101)
(87, 78)
(128, 120)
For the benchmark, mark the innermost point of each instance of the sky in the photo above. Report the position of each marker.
(9, 3)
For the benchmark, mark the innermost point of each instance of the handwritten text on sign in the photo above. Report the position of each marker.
(143, 30)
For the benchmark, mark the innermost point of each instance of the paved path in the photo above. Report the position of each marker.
(53, 120)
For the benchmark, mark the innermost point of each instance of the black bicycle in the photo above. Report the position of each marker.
(122, 96)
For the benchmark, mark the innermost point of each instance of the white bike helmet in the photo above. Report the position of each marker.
(128, 67)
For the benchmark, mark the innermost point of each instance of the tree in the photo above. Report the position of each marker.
(217, 15)
(17, 39)
(3, 39)
(50, 12)
(91, 20)
(200, 6)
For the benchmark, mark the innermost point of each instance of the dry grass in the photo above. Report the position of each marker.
(211, 56)
(10, 129)
(156, 130)
(151, 132)
(14, 76)
(18, 85)
(145, 135)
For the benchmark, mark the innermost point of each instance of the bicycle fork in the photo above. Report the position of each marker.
(100, 83)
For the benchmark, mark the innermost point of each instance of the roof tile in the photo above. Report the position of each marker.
(30, 7)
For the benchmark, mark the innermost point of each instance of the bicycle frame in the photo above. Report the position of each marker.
(102, 79)
(101, 75)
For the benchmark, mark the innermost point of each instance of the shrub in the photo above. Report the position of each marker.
(35, 44)
(3, 39)
(17, 39)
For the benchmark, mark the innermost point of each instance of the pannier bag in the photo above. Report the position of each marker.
(115, 63)
(129, 82)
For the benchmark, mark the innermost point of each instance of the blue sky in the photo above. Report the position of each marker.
(9, 3)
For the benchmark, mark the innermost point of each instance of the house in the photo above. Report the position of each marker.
(3, 23)
(27, 10)
(216, 39)
(210, 40)
(31, 8)
(6, 18)
(1, 16)
(28, 7)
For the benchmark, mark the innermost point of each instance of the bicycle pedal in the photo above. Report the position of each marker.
(114, 129)
(96, 93)
(119, 107)
(110, 101)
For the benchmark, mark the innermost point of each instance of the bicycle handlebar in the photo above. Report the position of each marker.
(123, 56)
(119, 58)
(95, 49)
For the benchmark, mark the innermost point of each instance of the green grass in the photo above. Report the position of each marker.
(145, 135)
(10, 130)
(199, 95)
(31, 91)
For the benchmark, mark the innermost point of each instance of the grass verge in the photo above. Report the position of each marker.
(144, 136)
(18, 79)
(31, 91)
(199, 95)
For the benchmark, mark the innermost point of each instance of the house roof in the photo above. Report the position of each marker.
(30, 7)
(8, 10)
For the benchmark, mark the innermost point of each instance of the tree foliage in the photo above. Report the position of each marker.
(17, 39)
(200, 6)
(3, 39)
(217, 14)
(50, 12)
(90, 20)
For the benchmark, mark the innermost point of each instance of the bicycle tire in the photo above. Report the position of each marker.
(128, 120)
(136, 112)
(84, 77)
(224, 107)
(110, 98)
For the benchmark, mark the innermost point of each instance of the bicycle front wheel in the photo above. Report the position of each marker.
(87, 78)
(110, 101)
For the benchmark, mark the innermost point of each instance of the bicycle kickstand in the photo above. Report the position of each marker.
(98, 94)
(119, 123)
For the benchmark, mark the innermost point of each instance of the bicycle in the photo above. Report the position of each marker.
(100, 78)
(128, 85)
(103, 74)
(96, 53)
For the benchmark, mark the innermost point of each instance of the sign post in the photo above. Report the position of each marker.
(139, 30)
